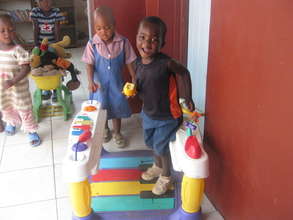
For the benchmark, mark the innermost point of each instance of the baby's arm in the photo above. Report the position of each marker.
(24, 71)
(183, 82)
(90, 75)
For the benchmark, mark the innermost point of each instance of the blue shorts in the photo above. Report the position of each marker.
(158, 133)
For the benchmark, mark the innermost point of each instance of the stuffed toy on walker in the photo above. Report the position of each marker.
(48, 59)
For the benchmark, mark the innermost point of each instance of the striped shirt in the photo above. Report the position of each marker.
(18, 96)
(46, 24)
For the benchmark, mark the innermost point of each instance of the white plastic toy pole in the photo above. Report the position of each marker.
(189, 156)
(83, 156)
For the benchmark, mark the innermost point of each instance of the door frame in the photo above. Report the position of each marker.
(198, 48)
(90, 9)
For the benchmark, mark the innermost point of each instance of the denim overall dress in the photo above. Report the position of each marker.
(108, 73)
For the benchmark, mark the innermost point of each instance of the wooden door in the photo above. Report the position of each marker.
(128, 13)
(175, 14)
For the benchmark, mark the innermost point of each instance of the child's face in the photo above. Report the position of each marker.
(104, 29)
(148, 40)
(7, 32)
(45, 5)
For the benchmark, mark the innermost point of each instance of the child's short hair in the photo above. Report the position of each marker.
(160, 23)
(6, 17)
(38, 1)
(105, 11)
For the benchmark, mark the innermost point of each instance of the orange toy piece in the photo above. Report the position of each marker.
(195, 115)
(64, 64)
(90, 108)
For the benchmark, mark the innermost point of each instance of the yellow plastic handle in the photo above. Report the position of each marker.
(129, 89)
(193, 115)
(186, 111)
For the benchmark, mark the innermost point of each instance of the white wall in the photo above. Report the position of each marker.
(198, 44)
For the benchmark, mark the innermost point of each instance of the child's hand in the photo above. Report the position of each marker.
(8, 83)
(93, 86)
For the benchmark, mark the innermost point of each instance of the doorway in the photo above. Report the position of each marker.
(81, 22)
(198, 47)
(128, 13)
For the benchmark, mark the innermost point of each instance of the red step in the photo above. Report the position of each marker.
(116, 175)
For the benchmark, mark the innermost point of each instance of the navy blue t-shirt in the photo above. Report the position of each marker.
(156, 86)
(46, 24)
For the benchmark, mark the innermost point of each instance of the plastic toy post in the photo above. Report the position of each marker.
(80, 195)
(191, 194)
(189, 156)
(83, 156)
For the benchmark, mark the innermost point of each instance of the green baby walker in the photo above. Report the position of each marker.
(64, 96)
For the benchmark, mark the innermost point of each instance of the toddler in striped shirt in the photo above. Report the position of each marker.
(15, 98)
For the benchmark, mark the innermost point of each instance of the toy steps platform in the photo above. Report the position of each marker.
(51, 111)
(119, 193)
(64, 99)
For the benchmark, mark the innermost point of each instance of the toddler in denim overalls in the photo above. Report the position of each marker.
(105, 56)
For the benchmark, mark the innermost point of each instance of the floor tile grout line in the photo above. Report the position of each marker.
(2, 148)
(56, 207)
(27, 203)
(54, 173)
(63, 197)
(24, 169)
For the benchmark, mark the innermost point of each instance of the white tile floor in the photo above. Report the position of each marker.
(31, 184)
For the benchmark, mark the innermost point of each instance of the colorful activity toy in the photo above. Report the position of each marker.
(108, 186)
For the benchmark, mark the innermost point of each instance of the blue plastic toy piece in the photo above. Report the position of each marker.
(180, 214)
